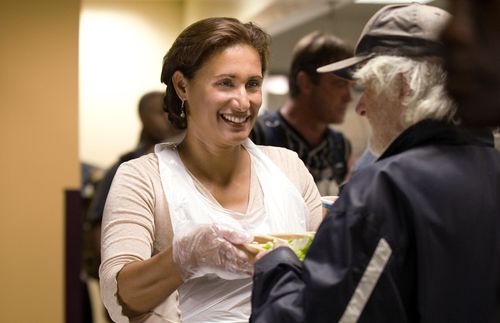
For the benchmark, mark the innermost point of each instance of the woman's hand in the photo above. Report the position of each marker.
(210, 249)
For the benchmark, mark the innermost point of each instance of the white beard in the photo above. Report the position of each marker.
(382, 138)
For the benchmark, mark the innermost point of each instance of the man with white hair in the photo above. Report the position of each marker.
(415, 236)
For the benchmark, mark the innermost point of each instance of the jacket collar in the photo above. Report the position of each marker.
(433, 132)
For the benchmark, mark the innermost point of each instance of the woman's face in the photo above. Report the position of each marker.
(224, 96)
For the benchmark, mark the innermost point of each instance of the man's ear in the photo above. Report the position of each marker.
(180, 85)
(304, 82)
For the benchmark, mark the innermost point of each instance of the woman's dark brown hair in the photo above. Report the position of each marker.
(196, 44)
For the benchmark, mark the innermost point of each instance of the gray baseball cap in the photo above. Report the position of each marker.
(410, 30)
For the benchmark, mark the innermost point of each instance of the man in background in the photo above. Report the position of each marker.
(316, 101)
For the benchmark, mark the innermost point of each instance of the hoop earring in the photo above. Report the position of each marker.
(182, 115)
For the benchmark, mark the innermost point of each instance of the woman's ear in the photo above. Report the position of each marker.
(180, 85)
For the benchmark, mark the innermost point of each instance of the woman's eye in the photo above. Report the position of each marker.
(226, 83)
(254, 84)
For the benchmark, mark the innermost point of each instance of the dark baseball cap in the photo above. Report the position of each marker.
(410, 30)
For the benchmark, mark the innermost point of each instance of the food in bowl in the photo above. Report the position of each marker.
(298, 242)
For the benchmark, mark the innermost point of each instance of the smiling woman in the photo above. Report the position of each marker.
(175, 221)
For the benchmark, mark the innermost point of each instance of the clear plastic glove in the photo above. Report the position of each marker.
(210, 249)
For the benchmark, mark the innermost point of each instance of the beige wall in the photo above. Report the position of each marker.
(242, 9)
(39, 159)
(122, 44)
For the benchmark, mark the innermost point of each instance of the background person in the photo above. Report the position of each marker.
(404, 240)
(316, 101)
(175, 219)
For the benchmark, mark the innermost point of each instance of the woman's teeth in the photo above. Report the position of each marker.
(233, 118)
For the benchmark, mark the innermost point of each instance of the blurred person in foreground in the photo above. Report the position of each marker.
(175, 220)
(415, 237)
(472, 59)
(315, 102)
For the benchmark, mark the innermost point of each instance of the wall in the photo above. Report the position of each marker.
(39, 140)
(122, 44)
(242, 9)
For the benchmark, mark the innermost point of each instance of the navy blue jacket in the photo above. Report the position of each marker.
(434, 198)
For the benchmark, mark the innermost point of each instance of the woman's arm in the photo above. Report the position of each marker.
(142, 285)
(136, 274)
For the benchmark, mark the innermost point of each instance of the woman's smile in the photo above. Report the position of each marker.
(234, 119)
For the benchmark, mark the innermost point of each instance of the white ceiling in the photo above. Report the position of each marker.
(282, 15)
